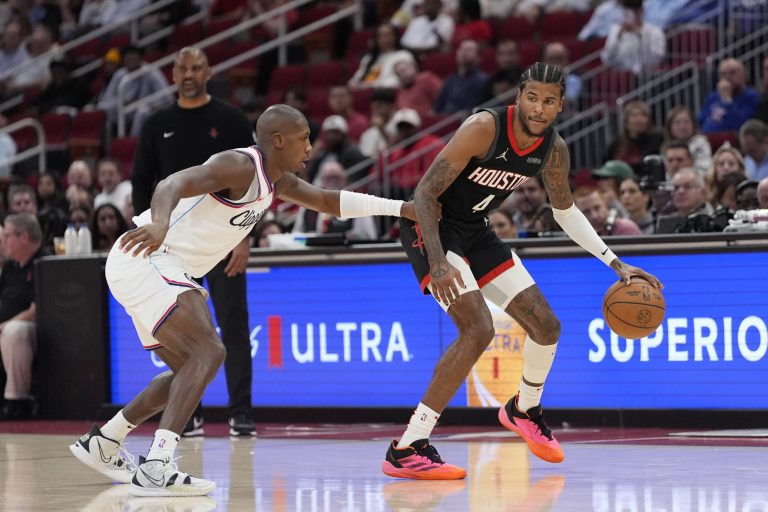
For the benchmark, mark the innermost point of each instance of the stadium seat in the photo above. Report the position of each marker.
(608, 85)
(561, 24)
(530, 52)
(442, 64)
(361, 101)
(284, 77)
(325, 74)
(359, 43)
(691, 45)
(517, 28)
(185, 35)
(717, 139)
(317, 103)
(57, 129)
(87, 131)
(124, 149)
(23, 137)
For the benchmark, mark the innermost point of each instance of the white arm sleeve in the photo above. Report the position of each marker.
(578, 228)
(354, 204)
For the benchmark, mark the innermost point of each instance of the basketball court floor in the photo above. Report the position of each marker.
(335, 468)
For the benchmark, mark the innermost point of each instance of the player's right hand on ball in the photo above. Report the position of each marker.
(445, 280)
(146, 239)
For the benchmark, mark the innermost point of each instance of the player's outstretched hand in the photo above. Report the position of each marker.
(408, 210)
(146, 239)
(626, 272)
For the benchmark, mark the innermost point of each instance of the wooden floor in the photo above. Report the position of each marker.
(314, 469)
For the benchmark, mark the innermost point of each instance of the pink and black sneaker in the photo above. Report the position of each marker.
(419, 461)
(531, 427)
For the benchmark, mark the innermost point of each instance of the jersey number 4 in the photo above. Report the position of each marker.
(482, 205)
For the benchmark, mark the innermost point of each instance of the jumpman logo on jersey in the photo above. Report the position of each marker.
(503, 156)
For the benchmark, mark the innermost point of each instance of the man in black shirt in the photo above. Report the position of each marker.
(183, 135)
(17, 312)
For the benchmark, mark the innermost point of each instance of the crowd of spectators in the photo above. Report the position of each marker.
(426, 60)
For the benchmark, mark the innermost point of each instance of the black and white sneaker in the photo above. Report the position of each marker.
(162, 478)
(241, 425)
(105, 455)
(194, 427)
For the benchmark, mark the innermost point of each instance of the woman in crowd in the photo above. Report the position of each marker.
(377, 67)
(107, 224)
(637, 202)
(638, 138)
(503, 223)
(726, 161)
(681, 125)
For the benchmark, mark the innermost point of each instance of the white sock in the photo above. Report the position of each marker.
(118, 427)
(422, 422)
(537, 360)
(164, 445)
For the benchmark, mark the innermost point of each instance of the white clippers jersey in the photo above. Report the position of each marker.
(204, 229)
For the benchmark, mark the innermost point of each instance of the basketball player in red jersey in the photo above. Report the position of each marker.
(196, 217)
(457, 257)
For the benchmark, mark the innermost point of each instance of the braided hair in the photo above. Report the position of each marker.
(544, 73)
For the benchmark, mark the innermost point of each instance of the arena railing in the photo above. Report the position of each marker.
(38, 149)
(750, 49)
(280, 43)
(678, 87)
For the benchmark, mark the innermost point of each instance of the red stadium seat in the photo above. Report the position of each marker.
(691, 45)
(441, 64)
(517, 28)
(88, 50)
(317, 103)
(325, 74)
(361, 101)
(359, 43)
(87, 131)
(57, 130)
(562, 24)
(717, 139)
(124, 149)
(530, 52)
(23, 137)
(609, 85)
(119, 41)
(287, 76)
(186, 35)
(488, 60)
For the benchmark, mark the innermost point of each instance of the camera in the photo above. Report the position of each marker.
(653, 175)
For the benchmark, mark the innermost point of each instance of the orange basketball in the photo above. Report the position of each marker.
(635, 310)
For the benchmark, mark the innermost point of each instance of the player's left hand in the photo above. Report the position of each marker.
(627, 272)
(146, 239)
(238, 259)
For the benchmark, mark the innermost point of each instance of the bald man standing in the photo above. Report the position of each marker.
(180, 136)
(197, 216)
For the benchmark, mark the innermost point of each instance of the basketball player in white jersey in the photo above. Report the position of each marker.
(196, 217)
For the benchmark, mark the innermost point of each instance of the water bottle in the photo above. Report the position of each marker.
(70, 240)
(84, 240)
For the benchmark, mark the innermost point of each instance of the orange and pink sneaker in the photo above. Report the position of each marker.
(420, 461)
(531, 427)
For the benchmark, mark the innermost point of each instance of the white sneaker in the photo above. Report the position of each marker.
(163, 478)
(105, 455)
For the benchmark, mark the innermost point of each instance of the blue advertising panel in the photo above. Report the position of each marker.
(364, 336)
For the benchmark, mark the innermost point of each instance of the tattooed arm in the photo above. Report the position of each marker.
(473, 140)
(573, 222)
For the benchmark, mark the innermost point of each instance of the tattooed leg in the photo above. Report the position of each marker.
(475, 325)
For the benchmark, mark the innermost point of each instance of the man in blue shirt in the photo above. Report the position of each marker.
(465, 89)
(753, 140)
(731, 103)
